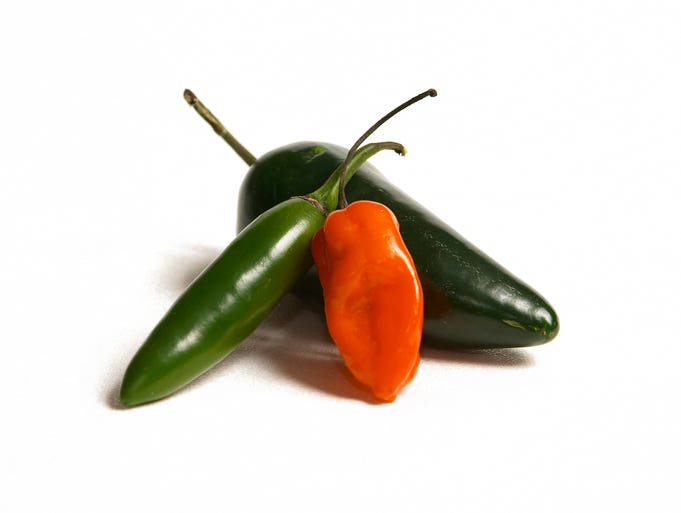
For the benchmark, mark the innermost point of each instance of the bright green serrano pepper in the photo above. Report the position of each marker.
(241, 287)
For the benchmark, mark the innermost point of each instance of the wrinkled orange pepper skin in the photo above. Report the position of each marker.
(372, 295)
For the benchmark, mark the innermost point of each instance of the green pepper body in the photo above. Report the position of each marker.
(225, 303)
(471, 302)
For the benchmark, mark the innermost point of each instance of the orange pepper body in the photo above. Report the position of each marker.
(372, 295)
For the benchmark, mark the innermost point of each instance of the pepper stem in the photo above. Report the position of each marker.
(326, 198)
(342, 200)
(219, 128)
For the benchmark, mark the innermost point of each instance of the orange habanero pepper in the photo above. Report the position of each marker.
(372, 295)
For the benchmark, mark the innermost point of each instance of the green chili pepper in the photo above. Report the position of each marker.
(471, 302)
(235, 293)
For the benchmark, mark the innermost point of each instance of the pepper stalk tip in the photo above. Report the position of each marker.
(190, 97)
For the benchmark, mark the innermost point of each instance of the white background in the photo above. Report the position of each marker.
(554, 145)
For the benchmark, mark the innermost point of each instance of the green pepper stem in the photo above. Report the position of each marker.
(219, 128)
(342, 200)
(326, 198)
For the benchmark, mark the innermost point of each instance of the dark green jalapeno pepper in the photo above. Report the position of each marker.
(471, 302)
(235, 293)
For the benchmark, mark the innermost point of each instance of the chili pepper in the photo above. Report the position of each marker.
(372, 295)
(471, 302)
(237, 291)
(232, 296)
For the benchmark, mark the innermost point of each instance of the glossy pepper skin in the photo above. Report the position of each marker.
(234, 294)
(471, 302)
(225, 303)
(372, 296)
